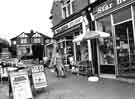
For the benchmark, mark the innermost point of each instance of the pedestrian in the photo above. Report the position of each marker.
(59, 66)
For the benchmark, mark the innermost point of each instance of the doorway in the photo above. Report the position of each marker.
(125, 48)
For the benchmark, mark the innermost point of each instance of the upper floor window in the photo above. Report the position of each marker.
(36, 40)
(67, 8)
(23, 40)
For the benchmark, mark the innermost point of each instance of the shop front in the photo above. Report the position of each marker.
(116, 53)
(76, 51)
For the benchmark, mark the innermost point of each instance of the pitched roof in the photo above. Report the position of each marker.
(30, 35)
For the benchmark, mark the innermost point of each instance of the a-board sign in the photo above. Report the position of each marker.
(37, 68)
(20, 85)
(39, 80)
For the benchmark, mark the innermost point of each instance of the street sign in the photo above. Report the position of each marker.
(39, 80)
(20, 85)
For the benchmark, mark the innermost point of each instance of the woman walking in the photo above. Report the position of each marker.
(60, 70)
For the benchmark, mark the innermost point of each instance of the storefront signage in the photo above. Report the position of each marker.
(68, 25)
(109, 5)
(20, 85)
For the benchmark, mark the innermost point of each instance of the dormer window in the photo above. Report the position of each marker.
(67, 8)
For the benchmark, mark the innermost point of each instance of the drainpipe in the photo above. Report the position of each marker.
(88, 12)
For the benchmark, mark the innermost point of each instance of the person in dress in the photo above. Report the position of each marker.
(59, 64)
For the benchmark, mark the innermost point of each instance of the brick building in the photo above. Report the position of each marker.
(69, 21)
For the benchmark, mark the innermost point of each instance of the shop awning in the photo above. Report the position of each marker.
(91, 35)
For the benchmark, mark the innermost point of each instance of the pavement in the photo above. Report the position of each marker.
(78, 87)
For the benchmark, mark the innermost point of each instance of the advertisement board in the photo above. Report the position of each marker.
(20, 85)
(39, 80)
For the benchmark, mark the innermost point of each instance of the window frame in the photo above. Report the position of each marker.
(67, 5)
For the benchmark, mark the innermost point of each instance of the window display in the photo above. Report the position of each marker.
(125, 46)
(84, 50)
(66, 48)
(106, 44)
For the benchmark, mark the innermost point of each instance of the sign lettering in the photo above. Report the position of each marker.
(120, 1)
(104, 7)
(109, 5)
(68, 25)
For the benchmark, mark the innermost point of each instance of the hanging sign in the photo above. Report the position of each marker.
(20, 85)
(39, 80)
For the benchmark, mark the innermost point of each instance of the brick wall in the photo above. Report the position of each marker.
(57, 11)
(80, 4)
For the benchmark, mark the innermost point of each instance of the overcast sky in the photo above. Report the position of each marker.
(17, 16)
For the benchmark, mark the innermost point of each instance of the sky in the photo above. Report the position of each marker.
(17, 16)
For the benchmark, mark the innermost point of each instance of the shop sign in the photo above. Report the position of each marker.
(20, 85)
(109, 5)
(68, 25)
(39, 80)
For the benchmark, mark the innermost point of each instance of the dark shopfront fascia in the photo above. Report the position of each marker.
(117, 52)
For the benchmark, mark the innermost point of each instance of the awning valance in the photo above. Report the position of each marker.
(91, 35)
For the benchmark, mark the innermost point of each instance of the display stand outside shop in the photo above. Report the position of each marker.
(20, 85)
(39, 77)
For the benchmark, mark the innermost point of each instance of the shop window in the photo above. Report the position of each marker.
(122, 15)
(106, 49)
(84, 51)
(125, 47)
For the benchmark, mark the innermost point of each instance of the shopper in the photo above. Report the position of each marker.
(60, 70)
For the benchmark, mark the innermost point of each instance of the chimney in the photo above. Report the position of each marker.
(31, 31)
